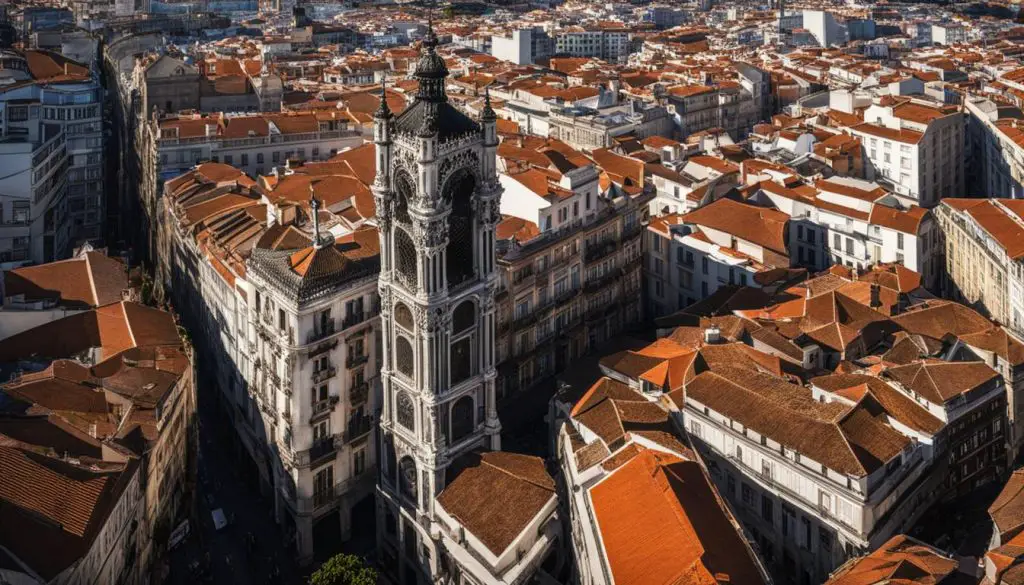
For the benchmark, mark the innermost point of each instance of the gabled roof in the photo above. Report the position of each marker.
(940, 381)
(850, 440)
(759, 225)
(896, 405)
(496, 495)
(662, 523)
(111, 330)
(937, 318)
(1007, 511)
(90, 280)
(50, 510)
(612, 411)
(902, 560)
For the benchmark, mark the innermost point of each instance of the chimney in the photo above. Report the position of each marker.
(712, 335)
(876, 301)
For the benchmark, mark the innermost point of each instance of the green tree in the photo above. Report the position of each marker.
(343, 569)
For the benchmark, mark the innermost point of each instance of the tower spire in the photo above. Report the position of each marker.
(488, 112)
(314, 204)
(383, 110)
(430, 23)
(431, 70)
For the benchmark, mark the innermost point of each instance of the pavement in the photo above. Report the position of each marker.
(231, 555)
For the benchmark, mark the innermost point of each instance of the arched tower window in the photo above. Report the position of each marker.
(460, 261)
(462, 419)
(404, 361)
(407, 478)
(464, 317)
(461, 353)
(405, 190)
(403, 316)
(405, 258)
(405, 412)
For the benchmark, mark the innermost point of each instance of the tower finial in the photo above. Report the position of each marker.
(314, 204)
(487, 114)
(430, 39)
(383, 111)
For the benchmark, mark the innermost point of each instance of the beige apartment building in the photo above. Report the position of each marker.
(565, 293)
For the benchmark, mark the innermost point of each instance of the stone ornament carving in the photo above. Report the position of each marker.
(407, 161)
(405, 412)
(434, 234)
(430, 320)
(467, 159)
(425, 491)
(489, 211)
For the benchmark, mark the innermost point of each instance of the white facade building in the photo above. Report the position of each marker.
(824, 28)
(914, 147)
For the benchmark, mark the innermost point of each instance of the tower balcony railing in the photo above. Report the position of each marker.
(320, 332)
(322, 449)
(359, 393)
(324, 374)
(324, 406)
(353, 319)
(599, 250)
(358, 428)
(356, 360)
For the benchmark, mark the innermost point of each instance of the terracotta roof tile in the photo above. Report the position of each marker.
(496, 495)
(662, 522)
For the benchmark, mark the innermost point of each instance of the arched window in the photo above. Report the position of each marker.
(403, 316)
(405, 412)
(462, 359)
(464, 317)
(405, 190)
(405, 258)
(462, 419)
(460, 262)
(404, 360)
(407, 478)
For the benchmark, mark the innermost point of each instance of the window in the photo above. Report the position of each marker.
(359, 461)
(245, 159)
(695, 428)
(259, 158)
(404, 360)
(805, 533)
(462, 419)
(825, 537)
(730, 483)
(767, 509)
(323, 485)
(899, 240)
(403, 316)
(837, 242)
(748, 495)
(704, 265)
(788, 520)
(405, 412)
(407, 478)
